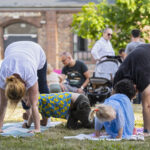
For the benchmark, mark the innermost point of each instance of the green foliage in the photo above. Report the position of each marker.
(123, 16)
(89, 22)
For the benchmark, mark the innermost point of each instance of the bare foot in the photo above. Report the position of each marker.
(146, 134)
(43, 123)
(34, 131)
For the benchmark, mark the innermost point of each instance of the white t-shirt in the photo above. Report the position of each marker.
(23, 58)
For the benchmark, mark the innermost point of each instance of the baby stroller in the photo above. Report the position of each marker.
(100, 85)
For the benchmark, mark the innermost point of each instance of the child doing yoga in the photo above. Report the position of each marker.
(71, 106)
(116, 113)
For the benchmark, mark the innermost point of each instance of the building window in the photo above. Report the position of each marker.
(82, 44)
(81, 51)
(19, 32)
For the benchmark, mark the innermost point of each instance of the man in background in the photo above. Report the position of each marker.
(103, 47)
(75, 72)
(135, 41)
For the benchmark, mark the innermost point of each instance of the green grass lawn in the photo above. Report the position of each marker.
(53, 138)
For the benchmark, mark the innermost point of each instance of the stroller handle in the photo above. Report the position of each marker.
(110, 57)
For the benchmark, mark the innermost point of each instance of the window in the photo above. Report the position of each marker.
(81, 51)
(19, 32)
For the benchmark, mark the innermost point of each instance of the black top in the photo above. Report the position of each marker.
(136, 67)
(75, 74)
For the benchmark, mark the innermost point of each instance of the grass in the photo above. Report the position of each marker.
(53, 138)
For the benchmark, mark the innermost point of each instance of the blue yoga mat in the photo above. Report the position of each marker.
(16, 130)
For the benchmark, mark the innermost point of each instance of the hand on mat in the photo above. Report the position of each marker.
(146, 134)
(34, 131)
(97, 134)
(43, 123)
(25, 125)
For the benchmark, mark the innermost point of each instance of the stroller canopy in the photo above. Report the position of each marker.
(107, 68)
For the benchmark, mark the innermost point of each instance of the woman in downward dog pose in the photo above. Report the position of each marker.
(23, 67)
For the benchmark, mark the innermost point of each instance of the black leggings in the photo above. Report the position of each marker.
(42, 80)
(42, 83)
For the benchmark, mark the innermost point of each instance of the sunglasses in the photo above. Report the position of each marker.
(109, 34)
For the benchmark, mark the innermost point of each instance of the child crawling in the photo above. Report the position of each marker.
(116, 113)
(71, 106)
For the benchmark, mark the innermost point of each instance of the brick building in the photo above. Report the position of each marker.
(46, 22)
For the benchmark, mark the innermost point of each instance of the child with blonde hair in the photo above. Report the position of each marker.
(53, 80)
(116, 113)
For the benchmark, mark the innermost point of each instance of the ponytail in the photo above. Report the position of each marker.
(11, 79)
(102, 112)
(15, 89)
(91, 115)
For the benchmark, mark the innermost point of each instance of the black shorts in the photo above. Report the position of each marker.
(42, 80)
(24, 106)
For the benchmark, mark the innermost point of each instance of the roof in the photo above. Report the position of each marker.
(44, 3)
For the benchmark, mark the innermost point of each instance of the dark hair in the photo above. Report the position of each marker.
(125, 86)
(135, 33)
(121, 50)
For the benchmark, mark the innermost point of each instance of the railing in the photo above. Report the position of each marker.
(82, 55)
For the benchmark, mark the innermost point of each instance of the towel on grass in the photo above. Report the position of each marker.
(16, 130)
(138, 136)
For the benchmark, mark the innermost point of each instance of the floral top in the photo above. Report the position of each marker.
(55, 104)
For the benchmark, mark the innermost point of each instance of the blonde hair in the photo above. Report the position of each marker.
(103, 113)
(15, 89)
(49, 69)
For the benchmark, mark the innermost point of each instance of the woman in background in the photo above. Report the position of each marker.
(53, 80)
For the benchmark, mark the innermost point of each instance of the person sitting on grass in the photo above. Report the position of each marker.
(53, 80)
(116, 113)
(71, 106)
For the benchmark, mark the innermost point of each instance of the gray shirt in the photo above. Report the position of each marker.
(131, 46)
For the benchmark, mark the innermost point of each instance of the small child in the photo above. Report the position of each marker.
(71, 106)
(122, 54)
(53, 80)
(116, 113)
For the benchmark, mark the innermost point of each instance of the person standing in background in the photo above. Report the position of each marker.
(103, 47)
(135, 41)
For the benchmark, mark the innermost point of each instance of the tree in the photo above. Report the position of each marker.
(123, 16)
(89, 22)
